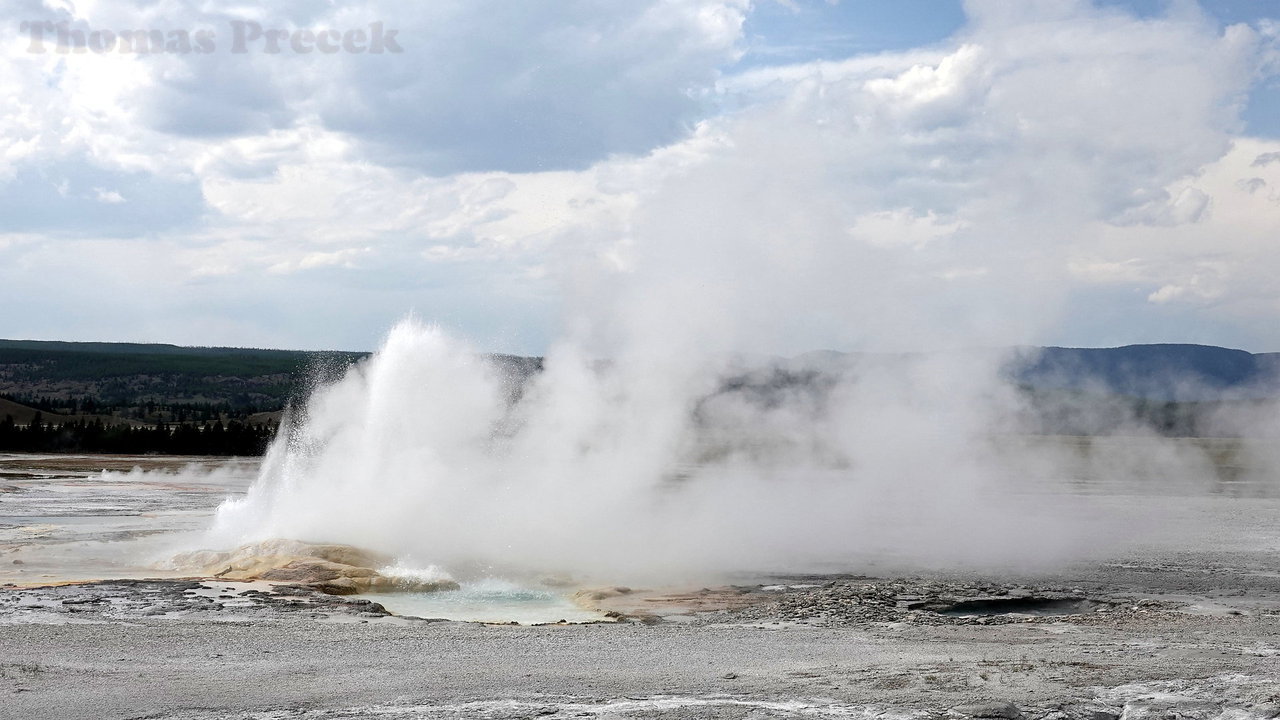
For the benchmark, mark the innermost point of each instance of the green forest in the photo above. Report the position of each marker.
(95, 436)
(134, 398)
(138, 398)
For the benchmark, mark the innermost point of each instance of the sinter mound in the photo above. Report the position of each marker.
(329, 568)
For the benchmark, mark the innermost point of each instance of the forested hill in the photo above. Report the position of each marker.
(128, 397)
(1165, 372)
(158, 383)
(140, 398)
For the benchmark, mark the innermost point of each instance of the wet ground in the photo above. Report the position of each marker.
(851, 647)
(1183, 625)
(85, 517)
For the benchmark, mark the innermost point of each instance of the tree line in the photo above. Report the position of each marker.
(149, 411)
(94, 436)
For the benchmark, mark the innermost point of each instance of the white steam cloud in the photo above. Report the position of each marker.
(633, 469)
(898, 203)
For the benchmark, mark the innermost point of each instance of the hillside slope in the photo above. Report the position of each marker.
(1167, 372)
(1173, 388)
(131, 375)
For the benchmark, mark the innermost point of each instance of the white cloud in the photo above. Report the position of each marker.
(108, 196)
(346, 258)
(1266, 158)
(1196, 286)
(902, 227)
(493, 85)
(1050, 152)
(1188, 205)
(1220, 267)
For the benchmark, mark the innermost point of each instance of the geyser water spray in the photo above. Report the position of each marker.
(437, 455)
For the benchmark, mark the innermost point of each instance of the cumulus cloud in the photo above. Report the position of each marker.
(503, 86)
(511, 162)
(470, 86)
(75, 195)
(1038, 130)
(1215, 270)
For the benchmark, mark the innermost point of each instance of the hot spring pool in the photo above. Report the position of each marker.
(489, 601)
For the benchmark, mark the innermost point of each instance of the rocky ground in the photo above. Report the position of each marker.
(1177, 631)
(1108, 642)
(131, 600)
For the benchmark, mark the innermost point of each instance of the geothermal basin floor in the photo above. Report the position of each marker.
(1125, 641)
(1191, 631)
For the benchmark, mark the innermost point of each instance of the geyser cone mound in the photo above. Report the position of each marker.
(330, 568)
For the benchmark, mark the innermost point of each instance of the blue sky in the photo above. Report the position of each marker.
(862, 174)
(799, 32)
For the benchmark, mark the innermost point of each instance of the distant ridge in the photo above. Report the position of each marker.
(1176, 389)
(114, 348)
(1167, 371)
(262, 380)
(124, 376)
(1164, 372)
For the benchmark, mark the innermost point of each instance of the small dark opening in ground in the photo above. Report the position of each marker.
(1017, 605)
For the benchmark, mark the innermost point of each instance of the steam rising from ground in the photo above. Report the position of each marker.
(436, 455)
(867, 207)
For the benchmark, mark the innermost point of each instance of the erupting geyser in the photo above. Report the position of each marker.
(441, 457)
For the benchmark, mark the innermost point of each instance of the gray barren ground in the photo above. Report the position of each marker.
(1116, 640)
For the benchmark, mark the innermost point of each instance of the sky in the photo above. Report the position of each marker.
(852, 175)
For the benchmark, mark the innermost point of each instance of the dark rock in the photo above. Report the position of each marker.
(337, 586)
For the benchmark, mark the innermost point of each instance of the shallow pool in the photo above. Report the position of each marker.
(491, 601)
